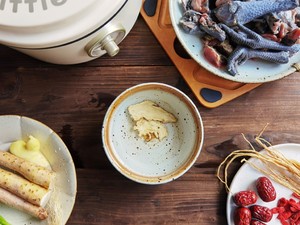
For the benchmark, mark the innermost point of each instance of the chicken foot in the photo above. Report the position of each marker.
(247, 37)
(241, 54)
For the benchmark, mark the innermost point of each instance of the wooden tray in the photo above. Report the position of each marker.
(211, 90)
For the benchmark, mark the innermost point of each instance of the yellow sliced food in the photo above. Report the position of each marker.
(150, 111)
(150, 129)
(150, 120)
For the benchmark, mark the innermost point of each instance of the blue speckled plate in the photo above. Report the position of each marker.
(253, 71)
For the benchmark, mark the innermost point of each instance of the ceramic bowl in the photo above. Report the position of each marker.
(15, 128)
(153, 162)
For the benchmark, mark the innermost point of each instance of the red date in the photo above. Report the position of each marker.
(261, 213)
(245, 198)
(256, 222)
(242, 216)
(265, 189)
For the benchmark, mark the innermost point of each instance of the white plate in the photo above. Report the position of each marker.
(245, 180)
(16, 128)
(253, 71)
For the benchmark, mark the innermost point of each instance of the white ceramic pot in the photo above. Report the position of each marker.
(66, 31)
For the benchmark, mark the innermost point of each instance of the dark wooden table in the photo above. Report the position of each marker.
(72, 100)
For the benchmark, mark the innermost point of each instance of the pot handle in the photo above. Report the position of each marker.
(106, 41)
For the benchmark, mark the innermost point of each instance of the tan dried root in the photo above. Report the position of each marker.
(31, 171)
(23, 188)
(274, 165)
(14, 201)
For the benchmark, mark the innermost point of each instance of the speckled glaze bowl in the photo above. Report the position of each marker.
(154, 162)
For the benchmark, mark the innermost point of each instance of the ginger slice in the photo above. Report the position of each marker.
(150, 111)
(150, 129)
(150, 120)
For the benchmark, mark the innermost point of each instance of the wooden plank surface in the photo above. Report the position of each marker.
(72, 100)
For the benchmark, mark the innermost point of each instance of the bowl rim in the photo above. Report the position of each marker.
(109, 150)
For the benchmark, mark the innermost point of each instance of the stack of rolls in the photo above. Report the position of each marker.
(24, 185)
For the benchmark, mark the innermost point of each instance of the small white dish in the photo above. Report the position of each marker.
(15, 128)
(154, 162)
(246, 177)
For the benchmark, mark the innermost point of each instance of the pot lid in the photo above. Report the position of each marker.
(48, 23)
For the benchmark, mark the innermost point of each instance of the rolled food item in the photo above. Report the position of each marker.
(23, 188)
(14, 201)
(31, 171)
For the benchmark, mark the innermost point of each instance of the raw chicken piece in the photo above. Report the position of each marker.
(236, 12)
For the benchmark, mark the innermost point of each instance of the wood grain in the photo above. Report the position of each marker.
(179, 202)
(73, 100)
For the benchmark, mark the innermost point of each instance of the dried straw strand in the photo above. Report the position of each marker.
(275, 165)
